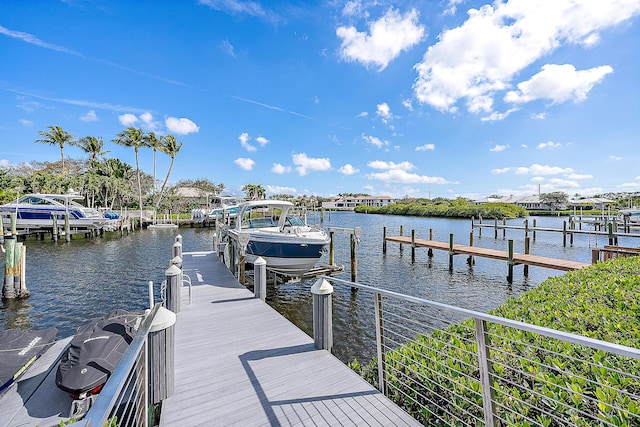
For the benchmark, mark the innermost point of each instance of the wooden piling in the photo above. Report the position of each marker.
(332, 248)
(67, 227)
(495, 228)
(430, 250)
(384, 240)
(510, 262)
(451, 252)
(534, 229)
(354, 261)
(527, 245)
(504, 228)
(413, 246)
(401, 235)
(322, 315)
(470, 259)
(564, 234)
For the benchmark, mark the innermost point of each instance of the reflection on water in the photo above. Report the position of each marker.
(71, 282)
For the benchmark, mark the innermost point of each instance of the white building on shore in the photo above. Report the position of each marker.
(349, 203)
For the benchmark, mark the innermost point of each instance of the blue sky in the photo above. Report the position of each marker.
(419, 98)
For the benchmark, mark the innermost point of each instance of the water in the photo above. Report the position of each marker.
(72, 282)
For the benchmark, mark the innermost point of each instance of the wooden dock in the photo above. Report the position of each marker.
(525, 259)
(239, 362)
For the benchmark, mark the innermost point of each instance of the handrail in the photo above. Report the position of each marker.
(552, 333)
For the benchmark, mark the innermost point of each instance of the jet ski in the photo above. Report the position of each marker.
(19, 349)
(93, 354)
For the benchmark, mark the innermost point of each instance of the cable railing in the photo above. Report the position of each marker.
(447, 365)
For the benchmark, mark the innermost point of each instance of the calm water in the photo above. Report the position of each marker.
(71, 282)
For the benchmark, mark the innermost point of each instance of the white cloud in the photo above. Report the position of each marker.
(244, 163)
(408, 104)
(498, 41)
(386, 39)
(127, 119)
(539, 116)
(276, 189)
(306, 164)
(280, 169)
(381, 164)
(228, 48)
(181, 126)
(557, 183)
(244, 142)
(374, 140)
(614, 158)
(25, 122)
(383, 110)
(499, 148)
(352, 8)
(534, 169)
(262, 141)
(348, 170)
(402, 176)
(89, 117)
(558, 83)
(549, 144)
(426, 147)
(495, 116)
(363, 114)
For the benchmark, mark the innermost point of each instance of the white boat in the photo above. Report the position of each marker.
(284, 241)
(35, 211)
(229, 206)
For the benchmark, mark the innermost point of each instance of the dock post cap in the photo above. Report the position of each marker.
(164, 319)
(176, 260)
(321, 287)
(176, 244)
(179, 238)
(172, 271)
(260, 261)
(358, 232)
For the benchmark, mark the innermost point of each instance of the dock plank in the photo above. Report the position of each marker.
(518, 258)
(239, 362)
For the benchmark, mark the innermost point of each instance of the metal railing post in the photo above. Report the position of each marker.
(485, 372)
(377, 301)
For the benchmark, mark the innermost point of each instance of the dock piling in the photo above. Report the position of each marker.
(322, 315)
(260, 278)
(172, 291)
(384, 240)
(413, 246)
(510, 262)
(451, 252)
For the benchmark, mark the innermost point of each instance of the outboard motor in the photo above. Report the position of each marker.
(92, 356)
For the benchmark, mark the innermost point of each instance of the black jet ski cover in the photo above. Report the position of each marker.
(19, 349)
(95, 351)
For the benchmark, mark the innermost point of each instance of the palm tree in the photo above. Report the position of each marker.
(151, 141)
(57, 136)
(133, 138)
(254, 191)
(169, 146)
(93, 146)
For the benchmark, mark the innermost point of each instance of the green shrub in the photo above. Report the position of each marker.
(436, 376)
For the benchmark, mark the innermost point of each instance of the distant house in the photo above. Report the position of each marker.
(531, 203)
(196, 195)
(590, 203)
(349, 203)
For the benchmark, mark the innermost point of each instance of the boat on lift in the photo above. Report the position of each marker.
(285, 241)
(227, 206)
(34, 211)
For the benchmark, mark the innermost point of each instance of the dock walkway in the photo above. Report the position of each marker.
(239, 362)
(526, 259)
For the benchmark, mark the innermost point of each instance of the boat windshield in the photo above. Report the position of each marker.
(34, 200)
(294, 220)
